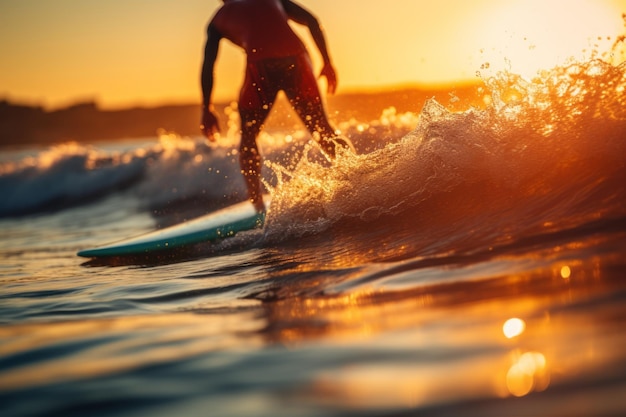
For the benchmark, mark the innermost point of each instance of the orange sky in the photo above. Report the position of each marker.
(131, 52)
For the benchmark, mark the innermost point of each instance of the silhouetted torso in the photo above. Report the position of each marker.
(260, 27)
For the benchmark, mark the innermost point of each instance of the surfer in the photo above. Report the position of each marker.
(276, 60)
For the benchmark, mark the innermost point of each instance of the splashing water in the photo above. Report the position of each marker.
(546, 152)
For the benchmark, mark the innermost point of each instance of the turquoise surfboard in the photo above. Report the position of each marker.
(208, 228)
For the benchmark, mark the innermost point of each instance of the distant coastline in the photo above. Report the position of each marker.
(87, 122)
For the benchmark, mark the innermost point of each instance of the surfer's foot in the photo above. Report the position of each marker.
(330, 145)
(345, 143)
(259, 206)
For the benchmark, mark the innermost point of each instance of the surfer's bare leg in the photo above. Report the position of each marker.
(249, 157)
(313, 115)
(314, 118)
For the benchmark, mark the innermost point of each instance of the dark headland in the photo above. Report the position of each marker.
(86, 122)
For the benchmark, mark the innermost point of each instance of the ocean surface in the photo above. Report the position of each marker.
(466, 263)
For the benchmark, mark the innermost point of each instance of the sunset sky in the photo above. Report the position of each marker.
(148, 52)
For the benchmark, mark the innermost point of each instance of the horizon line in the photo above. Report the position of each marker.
(136, 104)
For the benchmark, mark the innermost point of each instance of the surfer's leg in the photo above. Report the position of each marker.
(305, 98)
(255, 102)
(249, 157)
(314, 117)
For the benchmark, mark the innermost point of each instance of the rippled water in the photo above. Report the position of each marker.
(463, 264)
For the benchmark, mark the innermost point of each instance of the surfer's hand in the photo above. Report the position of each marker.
(210, 126)
(331, 77)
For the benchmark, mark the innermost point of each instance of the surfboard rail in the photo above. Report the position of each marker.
(211, 227)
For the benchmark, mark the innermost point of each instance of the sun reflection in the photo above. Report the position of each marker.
(513, 327)
(566, 272)
(528, 373)
(520, 338)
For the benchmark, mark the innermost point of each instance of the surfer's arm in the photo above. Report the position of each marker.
(302, 16)
(209, 126)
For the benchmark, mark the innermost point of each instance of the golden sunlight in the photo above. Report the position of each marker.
(526, 37)
(513, 327)
(528, 373)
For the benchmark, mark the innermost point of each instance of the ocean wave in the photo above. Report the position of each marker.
(543, 155)
(172, 171)
(62, 176)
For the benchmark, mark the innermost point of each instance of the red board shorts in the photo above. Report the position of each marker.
(266, 77)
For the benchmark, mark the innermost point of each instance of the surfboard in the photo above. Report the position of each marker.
(211, 227)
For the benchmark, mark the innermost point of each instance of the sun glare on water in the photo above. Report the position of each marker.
(528, 36)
